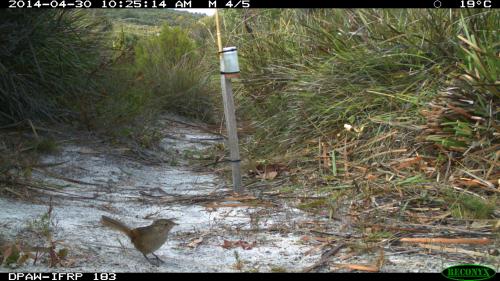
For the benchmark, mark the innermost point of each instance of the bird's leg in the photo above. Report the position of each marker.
(150, 261)
(160, 260)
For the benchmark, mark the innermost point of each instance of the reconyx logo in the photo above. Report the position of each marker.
(472, 272)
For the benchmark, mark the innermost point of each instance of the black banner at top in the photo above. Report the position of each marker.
(231, 4)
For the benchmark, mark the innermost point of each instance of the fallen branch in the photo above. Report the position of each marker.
(360, 267)
(456, 250)
(195, 126)
(475, 241)
(339, 234)
(484, 182)
(54, 192)
(317, 248)
(327, 240)
(239, 198)
(468, 192)
(54, 175)
(384, 153)
(215, 205)
(444, 228)
(324, 258)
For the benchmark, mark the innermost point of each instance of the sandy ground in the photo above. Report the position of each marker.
(136, 192)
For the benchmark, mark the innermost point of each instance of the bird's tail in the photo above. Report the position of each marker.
(116, 224)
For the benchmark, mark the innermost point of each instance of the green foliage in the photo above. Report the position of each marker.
(467, 117)
(169, 48)
(123, 100)
(47, 59)
(315, 204)
(417, 179)
(150, 17)
(278, 269)
(379, 235)
(465, 206)
(13, 257)
(148, 71)
(308, 72)
(177, 81)
(77, 65)
(45, 145)
(478, 51)
(123, 41)
(41, 225)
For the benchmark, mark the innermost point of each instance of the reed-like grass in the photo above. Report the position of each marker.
(306, 73)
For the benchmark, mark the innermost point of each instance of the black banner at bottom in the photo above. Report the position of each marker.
(110, 276)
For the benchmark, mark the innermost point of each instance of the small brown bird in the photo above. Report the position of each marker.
(146, 239)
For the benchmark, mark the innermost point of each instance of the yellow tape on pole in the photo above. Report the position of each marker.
(217, 24)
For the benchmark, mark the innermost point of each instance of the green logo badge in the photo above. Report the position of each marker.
(469, 272)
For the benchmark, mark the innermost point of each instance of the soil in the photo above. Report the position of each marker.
(97, 179)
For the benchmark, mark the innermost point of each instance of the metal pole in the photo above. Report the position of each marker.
(229, 112)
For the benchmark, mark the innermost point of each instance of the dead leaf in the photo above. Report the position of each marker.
(23, 259)
(240, 198)
(346, 256)
(240, 243)
(405, 163)
(267, 175)
(381, 259)
(269, 171)
(246, 245)
(7, 251)
(196, 242)
(227, 244)
(68, 262)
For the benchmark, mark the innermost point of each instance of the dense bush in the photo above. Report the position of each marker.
(78, 65)
(306, 73)
(173, 68)
(48, 60)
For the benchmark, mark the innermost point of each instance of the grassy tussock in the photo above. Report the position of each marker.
(306, 73)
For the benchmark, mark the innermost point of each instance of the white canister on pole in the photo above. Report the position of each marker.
(229, 61)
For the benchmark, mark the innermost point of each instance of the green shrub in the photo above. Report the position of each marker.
(47, 62)
(177, 79)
